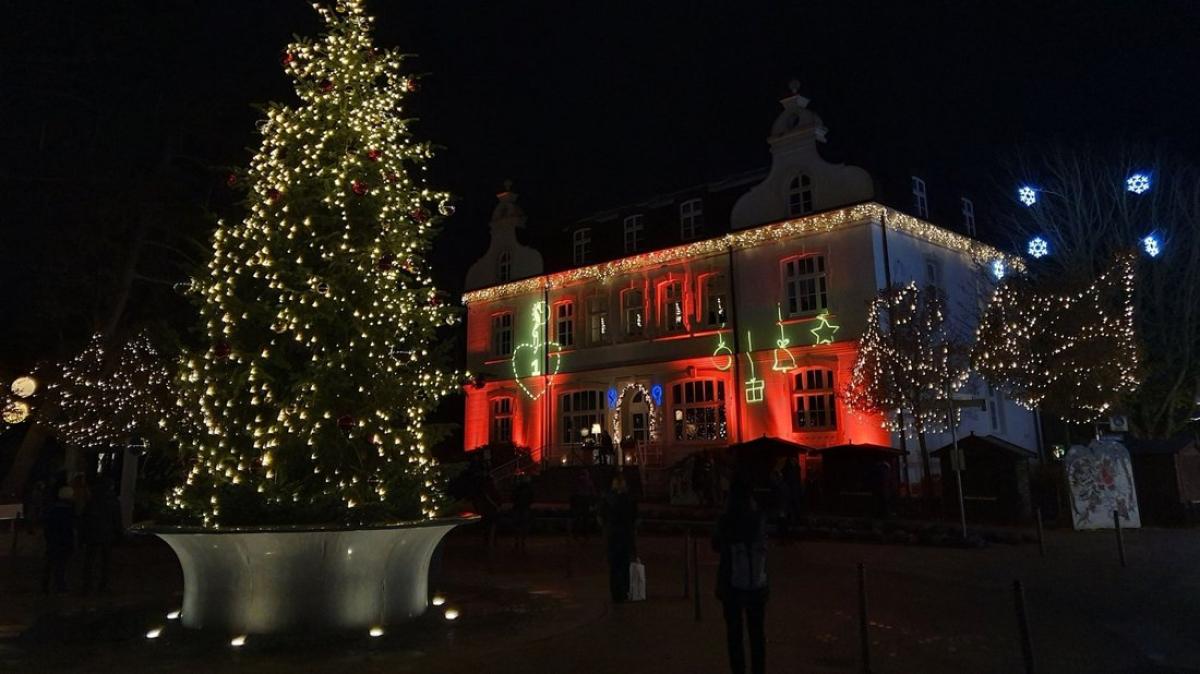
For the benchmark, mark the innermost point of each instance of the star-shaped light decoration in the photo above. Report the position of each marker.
(1027, 195)
(1137, 183)
(1038, 247)
(999, 269)
(1151, 245)
(825, 330)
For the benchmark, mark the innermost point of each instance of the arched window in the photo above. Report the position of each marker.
(800, 195)
(504, 267)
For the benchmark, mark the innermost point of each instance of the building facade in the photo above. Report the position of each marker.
(745, 324)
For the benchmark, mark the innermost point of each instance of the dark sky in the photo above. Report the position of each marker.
(585, 105)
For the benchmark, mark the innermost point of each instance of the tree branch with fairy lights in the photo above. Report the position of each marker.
(308, 402)
(1074, 354)
(908, 364)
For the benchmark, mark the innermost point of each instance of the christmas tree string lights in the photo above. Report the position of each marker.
(309, 401)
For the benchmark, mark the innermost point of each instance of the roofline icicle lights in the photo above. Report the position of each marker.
(829, 221)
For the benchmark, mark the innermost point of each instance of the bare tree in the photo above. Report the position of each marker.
(1087, 212)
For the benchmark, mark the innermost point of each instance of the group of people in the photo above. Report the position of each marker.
(73, 514)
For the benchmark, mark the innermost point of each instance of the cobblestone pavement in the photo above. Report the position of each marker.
(931, 610)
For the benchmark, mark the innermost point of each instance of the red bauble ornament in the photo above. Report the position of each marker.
(374, 155)
(222, 349)
(231, 179)
(392, 177)
(273, 194)
(386, 261)
(327, 85)
(409, 84)
(359, 187)
(287, 58)
(419, 214)
(345, 422)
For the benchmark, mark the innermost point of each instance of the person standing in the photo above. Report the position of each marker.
(741, 540)
(583, 498)
(59, 530)
(99, 528)
(620, 521)
(522, 511)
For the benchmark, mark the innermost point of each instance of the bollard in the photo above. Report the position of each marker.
(1041, 535)
(1120, 538)
(570, 552)
(864, 635)
(695, 580)
(687, 543)
(1023, 626)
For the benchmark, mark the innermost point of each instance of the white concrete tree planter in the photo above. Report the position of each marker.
(269, 580)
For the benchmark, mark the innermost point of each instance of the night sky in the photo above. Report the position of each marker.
(585, 106)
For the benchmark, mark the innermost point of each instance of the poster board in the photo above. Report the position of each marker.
(1100, 478)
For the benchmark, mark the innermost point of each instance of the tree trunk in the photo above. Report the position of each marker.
(927, 473)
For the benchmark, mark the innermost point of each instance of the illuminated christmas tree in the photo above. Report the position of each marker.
(322, 361)
(908, 364)
(1074, 354)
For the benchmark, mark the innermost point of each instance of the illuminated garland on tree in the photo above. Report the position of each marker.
(310, 398)
(1073, 354)
(105, 397)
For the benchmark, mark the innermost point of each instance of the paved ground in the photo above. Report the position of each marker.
(932, 610)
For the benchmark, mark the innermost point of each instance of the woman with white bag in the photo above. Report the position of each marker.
(741, 539)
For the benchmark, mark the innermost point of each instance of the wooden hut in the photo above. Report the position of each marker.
(995, 479)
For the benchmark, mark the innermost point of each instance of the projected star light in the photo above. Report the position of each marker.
(1137, 183)
(1027, 195)
(1038, 247)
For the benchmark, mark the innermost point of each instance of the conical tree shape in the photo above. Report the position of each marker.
(309, 402)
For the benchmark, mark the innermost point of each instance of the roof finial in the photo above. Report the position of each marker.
(794, 86)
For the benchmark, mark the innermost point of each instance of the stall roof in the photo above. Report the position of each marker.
(989, 442)
(865, 448)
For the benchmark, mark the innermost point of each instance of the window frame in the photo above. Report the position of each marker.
(504, 267)
(672, 308)
(803, 391)
(800, 195)
(497, 340)
(707, 294)
(920, 197)
(629, 327)
(634, 225)
(691, 219)
(968, 213)
(791, 284)
(707, 408)
(564, 323)
(581, 242)
(568, 416)
(598, 324)
(496, 416)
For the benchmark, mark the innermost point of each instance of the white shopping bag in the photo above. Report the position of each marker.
(637, 581)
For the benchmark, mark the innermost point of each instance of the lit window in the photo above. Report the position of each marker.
(577, 411)
(805, 285)
(968, 213)
(502, 420)
(502, 334)
(670, 311)
(633, 311)
(635, 227)
(800, 195)
(582, 245)
(814, 400)
(564, 323)
(715, 300)
(920, 201)
(699, 410)
(598, 319)
(691, 219)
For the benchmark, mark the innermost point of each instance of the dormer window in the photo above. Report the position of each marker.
(504, 267)
(691, 219)
(920, 200)
(581, 242)
(800, 195)
(968, 213)
(635, 228)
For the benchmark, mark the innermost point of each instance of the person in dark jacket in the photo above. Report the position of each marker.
(59, 529)
(741, 540)
(620, 521)
(583, 497)
(99, 527)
